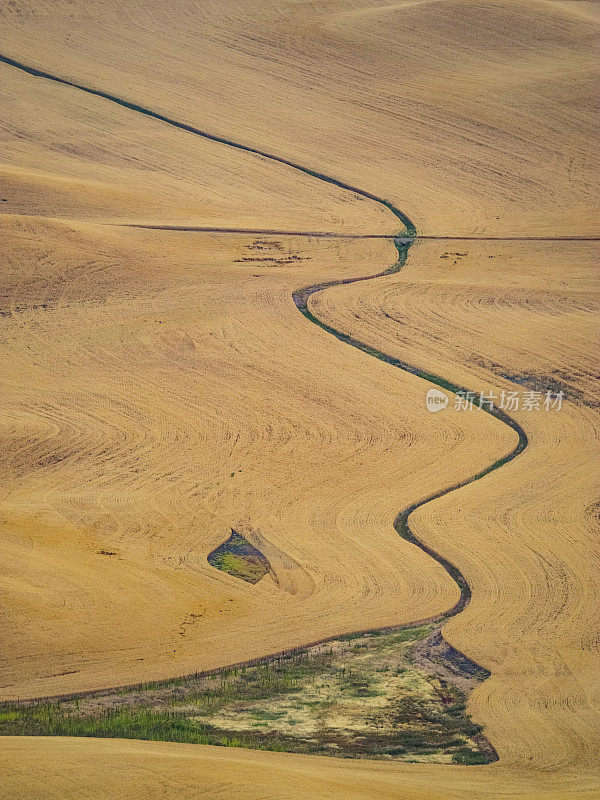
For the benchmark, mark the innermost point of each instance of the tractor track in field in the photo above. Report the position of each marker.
(341, 235)
(403, 241)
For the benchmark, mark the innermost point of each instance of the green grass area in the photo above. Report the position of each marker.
(359, 696)
(239, 558)
(50, 719)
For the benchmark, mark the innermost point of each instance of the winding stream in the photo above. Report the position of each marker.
(301, 297)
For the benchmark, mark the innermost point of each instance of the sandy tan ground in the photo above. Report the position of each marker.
(151, 413)
(126, 770)
(162, 389)
(472, 115)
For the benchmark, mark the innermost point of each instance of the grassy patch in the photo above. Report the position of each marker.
(239, 558)
(358, 697)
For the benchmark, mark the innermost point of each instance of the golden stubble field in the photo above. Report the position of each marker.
(162, 388)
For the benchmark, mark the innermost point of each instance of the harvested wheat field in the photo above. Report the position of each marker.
(249, 248)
